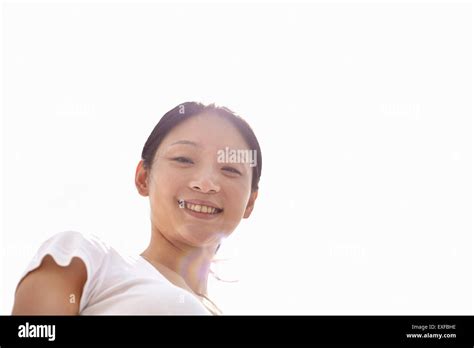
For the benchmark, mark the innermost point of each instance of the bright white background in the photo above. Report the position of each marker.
(363, 112)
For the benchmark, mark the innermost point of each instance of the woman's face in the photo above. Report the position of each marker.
(187, 175)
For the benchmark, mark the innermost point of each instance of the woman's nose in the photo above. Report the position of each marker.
(205, 183)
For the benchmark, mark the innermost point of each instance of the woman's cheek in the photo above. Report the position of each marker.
(239, 203)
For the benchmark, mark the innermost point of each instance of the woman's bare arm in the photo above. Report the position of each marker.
(51, 289)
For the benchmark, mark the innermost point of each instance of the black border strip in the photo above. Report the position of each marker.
(222, 330)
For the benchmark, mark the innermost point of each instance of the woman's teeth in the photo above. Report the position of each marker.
(202, 208)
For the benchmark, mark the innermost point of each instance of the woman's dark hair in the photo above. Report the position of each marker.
(185, 111)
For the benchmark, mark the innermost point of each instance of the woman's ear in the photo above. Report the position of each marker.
(141, 179)
(250, 204)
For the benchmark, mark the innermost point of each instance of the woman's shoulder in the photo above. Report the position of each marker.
(55, 269)
(64, 246)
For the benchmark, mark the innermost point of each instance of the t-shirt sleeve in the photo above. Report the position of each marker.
(63, 247)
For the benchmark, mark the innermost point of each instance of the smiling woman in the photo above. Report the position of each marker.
(197, 199)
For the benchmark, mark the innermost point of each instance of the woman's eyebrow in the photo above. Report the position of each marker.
(185, 142)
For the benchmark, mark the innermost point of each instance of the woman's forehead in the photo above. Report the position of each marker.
(203, 131)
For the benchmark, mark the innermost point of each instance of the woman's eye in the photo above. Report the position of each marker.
(232, 170)
(182, 160)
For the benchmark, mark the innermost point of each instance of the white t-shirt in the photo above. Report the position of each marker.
(116, 283)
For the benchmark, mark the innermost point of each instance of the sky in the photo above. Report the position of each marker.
(363, 112)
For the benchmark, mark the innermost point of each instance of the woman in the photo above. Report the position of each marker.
(200, 168)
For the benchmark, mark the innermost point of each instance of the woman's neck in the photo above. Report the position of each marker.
(189, 265)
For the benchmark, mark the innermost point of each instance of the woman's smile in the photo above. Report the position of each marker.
(200, 209)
